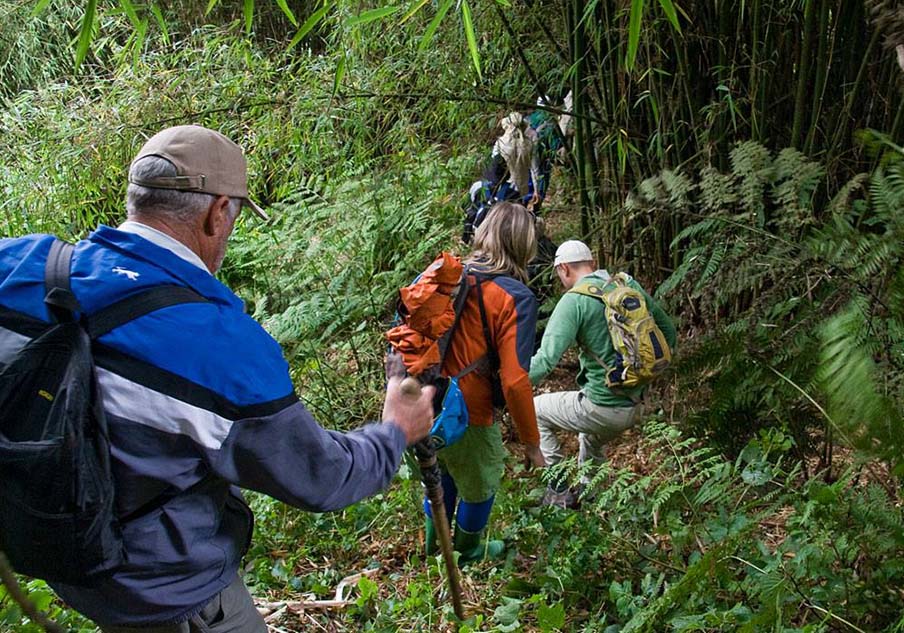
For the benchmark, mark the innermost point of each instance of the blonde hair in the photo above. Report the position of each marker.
(517, 150)
(505, 242)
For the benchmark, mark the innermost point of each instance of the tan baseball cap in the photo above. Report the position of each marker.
(205, 160)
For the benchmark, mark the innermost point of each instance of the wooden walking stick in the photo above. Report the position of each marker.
(432, 478)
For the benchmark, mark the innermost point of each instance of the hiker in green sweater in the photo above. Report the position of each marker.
(607, 401)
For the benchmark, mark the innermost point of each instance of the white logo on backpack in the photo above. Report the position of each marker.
(131, 274)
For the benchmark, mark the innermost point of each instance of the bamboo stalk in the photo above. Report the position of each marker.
(803, 74)
(822, 67)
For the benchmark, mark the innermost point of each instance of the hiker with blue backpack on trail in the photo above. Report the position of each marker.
(514, 164)
(624, 339)
(520, 163)
(483, 360)
(137, 396)
(550, 147)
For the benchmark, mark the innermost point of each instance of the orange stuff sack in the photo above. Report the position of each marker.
(428, 312)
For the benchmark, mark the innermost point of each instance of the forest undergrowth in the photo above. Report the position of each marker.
(762, 493)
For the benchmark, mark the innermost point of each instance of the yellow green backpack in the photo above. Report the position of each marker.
(641, 351)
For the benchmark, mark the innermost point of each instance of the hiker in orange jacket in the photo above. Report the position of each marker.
(473, 466)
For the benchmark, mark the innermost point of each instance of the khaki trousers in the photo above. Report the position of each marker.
(572, 411)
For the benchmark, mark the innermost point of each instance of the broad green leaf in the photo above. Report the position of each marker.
(248, 11)
(130, 12)
(472, 38)
(309, 24)
(634, 21)
(507, 612)
(551, 618)
(39, 7)
(86, 32)
(414, 8)
(434, 24)
(210, 5)
(285, 9)
(370, 16)
(669, 10)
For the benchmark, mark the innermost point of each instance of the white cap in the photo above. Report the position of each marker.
(572, 251)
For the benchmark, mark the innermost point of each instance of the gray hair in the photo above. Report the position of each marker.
(180, 206)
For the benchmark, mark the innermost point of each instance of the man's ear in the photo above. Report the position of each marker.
(217, 217)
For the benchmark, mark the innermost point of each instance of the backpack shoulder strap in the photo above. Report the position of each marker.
(590, 289)
(58, 291)
(597, 291)
(599, 288)
(458, 305)
(137, 305)
(491, 355)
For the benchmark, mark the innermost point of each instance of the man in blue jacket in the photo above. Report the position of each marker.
(197, 396)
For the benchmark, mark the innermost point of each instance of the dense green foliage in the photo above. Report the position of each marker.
(776, 231)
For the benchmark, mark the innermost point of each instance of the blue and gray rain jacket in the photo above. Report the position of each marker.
(199, 402)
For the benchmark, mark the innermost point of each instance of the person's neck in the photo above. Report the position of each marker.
(176, 230)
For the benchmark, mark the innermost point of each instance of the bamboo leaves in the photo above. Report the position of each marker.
(637, 7)
(469, 33)
(309, 24)
(86, 32)
(434, 24)
(248, 12)
(371, 15)
(287, 11)
(467, 22)
(635, 20)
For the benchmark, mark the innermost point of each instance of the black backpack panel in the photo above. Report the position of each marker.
(57, 516)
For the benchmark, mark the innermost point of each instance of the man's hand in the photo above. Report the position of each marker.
(413, 413)
(534, 457)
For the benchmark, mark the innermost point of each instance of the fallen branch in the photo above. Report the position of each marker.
(271, 610)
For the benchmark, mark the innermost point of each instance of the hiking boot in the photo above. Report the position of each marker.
(565, 499)
(431, 541)
(472, 547)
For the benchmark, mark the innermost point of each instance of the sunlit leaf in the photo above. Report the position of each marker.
(370, 16)
(434, 24)
(248, 11)
(86, 32)
(130, 12)
(414, 8)
(340, 73)
(634, 21)
(472, 38)
(161, 22)
(39, 7)
(285, 9)
(210, 5)
(669, 9)
(309, 24)
(140, 32)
